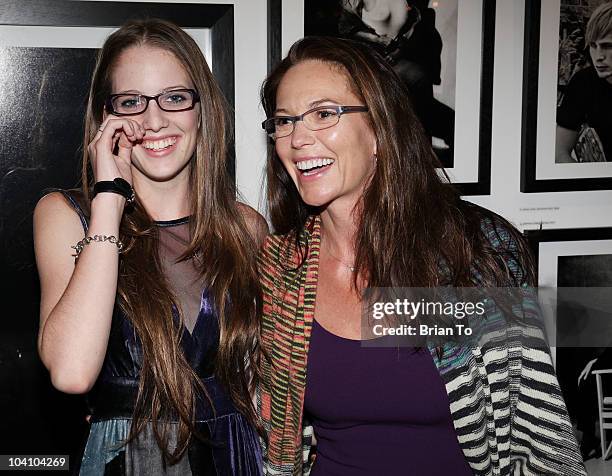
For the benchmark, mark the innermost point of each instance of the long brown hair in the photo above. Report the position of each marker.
(411, 219)
(168, 385)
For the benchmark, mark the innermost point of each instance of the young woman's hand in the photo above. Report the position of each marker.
(114, 133)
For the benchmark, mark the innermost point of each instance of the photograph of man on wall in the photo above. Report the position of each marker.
(584, 113)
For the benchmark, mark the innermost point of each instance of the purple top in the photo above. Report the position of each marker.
(378, 410)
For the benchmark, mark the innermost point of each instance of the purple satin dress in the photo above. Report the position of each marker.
(230, 446)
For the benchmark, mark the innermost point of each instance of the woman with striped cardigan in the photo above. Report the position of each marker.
(356, 204)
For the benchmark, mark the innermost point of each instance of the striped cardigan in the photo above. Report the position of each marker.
(505, 401)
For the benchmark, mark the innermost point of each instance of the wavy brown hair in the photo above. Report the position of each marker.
(411, 220)
(168, 385)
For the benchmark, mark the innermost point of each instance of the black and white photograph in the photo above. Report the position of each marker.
(414, 36)
(44, 124)
(567, 76)
(584, 85)
(584, 339)
(574, 273)
(442, 50)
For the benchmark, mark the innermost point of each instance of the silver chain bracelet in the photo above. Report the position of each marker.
(98, 239)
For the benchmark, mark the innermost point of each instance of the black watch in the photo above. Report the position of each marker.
(118, 185)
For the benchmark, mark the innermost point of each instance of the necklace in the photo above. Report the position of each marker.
(351, 267)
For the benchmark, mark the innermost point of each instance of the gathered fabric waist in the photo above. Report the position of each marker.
(117, 399)
(112, 400)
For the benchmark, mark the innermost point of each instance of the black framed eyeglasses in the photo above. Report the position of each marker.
(127, 104)
(315, 119)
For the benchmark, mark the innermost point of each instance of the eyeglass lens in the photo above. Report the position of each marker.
(136, 103)
(314, 120)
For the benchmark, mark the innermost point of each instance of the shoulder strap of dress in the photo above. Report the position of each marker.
(70, 195)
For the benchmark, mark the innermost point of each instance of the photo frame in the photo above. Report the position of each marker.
(217, 18)
(571, 258)
(574, 277)
(469, 167)
(48, 53)
(548, 245)
(553, 43)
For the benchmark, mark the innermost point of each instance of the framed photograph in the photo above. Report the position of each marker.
(47, 55)
(574, 273)
(442, 50)
(567, 97)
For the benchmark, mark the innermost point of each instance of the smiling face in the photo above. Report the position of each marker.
(601, 55)
(328, 166)
(170, 137)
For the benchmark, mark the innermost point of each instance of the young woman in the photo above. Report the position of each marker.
(149, 293)
(357, 202)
